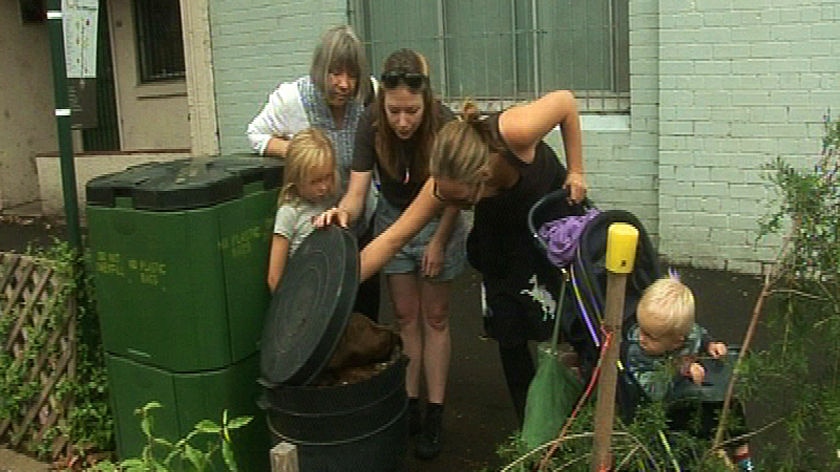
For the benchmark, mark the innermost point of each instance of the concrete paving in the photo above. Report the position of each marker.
(11, 461)
(478, 415)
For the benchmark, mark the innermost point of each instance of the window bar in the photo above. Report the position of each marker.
(444, 81)
(515, 57)
(591, 96)
(142, 35)
(611, 26)
(535, 26)
(487, 38)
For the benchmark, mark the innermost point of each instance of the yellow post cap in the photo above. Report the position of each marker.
(621, 247)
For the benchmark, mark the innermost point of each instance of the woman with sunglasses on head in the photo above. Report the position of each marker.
(395, 138)
(500, 166)
(331, 97)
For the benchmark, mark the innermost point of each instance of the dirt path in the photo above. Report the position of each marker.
(11, 461)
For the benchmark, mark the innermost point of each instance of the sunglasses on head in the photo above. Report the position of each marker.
(393, 78)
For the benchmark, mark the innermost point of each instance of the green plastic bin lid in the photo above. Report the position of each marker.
(183, 184)
(310, 308)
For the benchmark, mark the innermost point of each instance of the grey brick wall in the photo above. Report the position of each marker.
(740, 83)
(256, 45)
(718, 89)
(622, 161)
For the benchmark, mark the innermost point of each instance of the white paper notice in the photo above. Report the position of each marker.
(80, 25)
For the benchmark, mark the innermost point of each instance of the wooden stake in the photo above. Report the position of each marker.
(605, 405)
(284, 458)
(621, 255)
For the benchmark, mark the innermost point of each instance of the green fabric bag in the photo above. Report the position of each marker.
(554, 391)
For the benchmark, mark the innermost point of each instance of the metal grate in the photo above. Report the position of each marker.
(501, 52)
(160, 41)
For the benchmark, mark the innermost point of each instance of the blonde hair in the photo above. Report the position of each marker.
(669, 305)
(308, 149)
(340, 49)
(461, 151)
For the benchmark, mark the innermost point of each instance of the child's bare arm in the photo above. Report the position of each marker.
(277, 261)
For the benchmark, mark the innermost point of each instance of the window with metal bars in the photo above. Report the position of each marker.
(504, 51)
(160, 44)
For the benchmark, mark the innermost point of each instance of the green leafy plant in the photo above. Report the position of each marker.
(88, 424)
(162, 455)
(643, 445)
(803, 364)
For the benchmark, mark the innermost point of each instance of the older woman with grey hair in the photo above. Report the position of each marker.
(331, 97)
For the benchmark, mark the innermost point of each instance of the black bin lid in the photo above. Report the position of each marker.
(310, 309)
(715, 382)
(184, 184)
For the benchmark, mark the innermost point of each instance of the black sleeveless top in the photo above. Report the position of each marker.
(501, 246)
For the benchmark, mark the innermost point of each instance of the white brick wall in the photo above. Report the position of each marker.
(256, 45)
(740, 83)
(621, 164)
(718, 89)
(636, 165)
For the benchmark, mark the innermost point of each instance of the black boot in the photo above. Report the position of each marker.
(415, 419)
(429, 442)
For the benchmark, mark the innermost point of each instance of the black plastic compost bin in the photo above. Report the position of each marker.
(350, 427)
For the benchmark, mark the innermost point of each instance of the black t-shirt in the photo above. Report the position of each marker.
(398, 192)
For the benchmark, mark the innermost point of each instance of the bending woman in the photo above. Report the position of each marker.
(501, 166)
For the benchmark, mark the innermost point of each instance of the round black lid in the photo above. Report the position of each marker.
(310, 309)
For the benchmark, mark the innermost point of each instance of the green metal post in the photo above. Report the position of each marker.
(62, 115)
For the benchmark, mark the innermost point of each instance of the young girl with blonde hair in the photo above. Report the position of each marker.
(331, 97)
(310, 185)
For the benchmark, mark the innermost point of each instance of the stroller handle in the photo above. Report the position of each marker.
(560, 194)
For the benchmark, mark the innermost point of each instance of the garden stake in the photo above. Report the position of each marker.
(770, 278)
(621, 254)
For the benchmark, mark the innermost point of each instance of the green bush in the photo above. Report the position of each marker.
(160, 455)
(644, 445)
(802, 365)
(89, 423)
(797, 378)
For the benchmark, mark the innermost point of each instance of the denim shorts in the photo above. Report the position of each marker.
(409, 258)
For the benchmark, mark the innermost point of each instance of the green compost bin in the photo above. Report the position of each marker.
(179, 253)
(187, 399)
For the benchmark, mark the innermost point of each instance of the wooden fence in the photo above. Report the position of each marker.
(38, 342)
